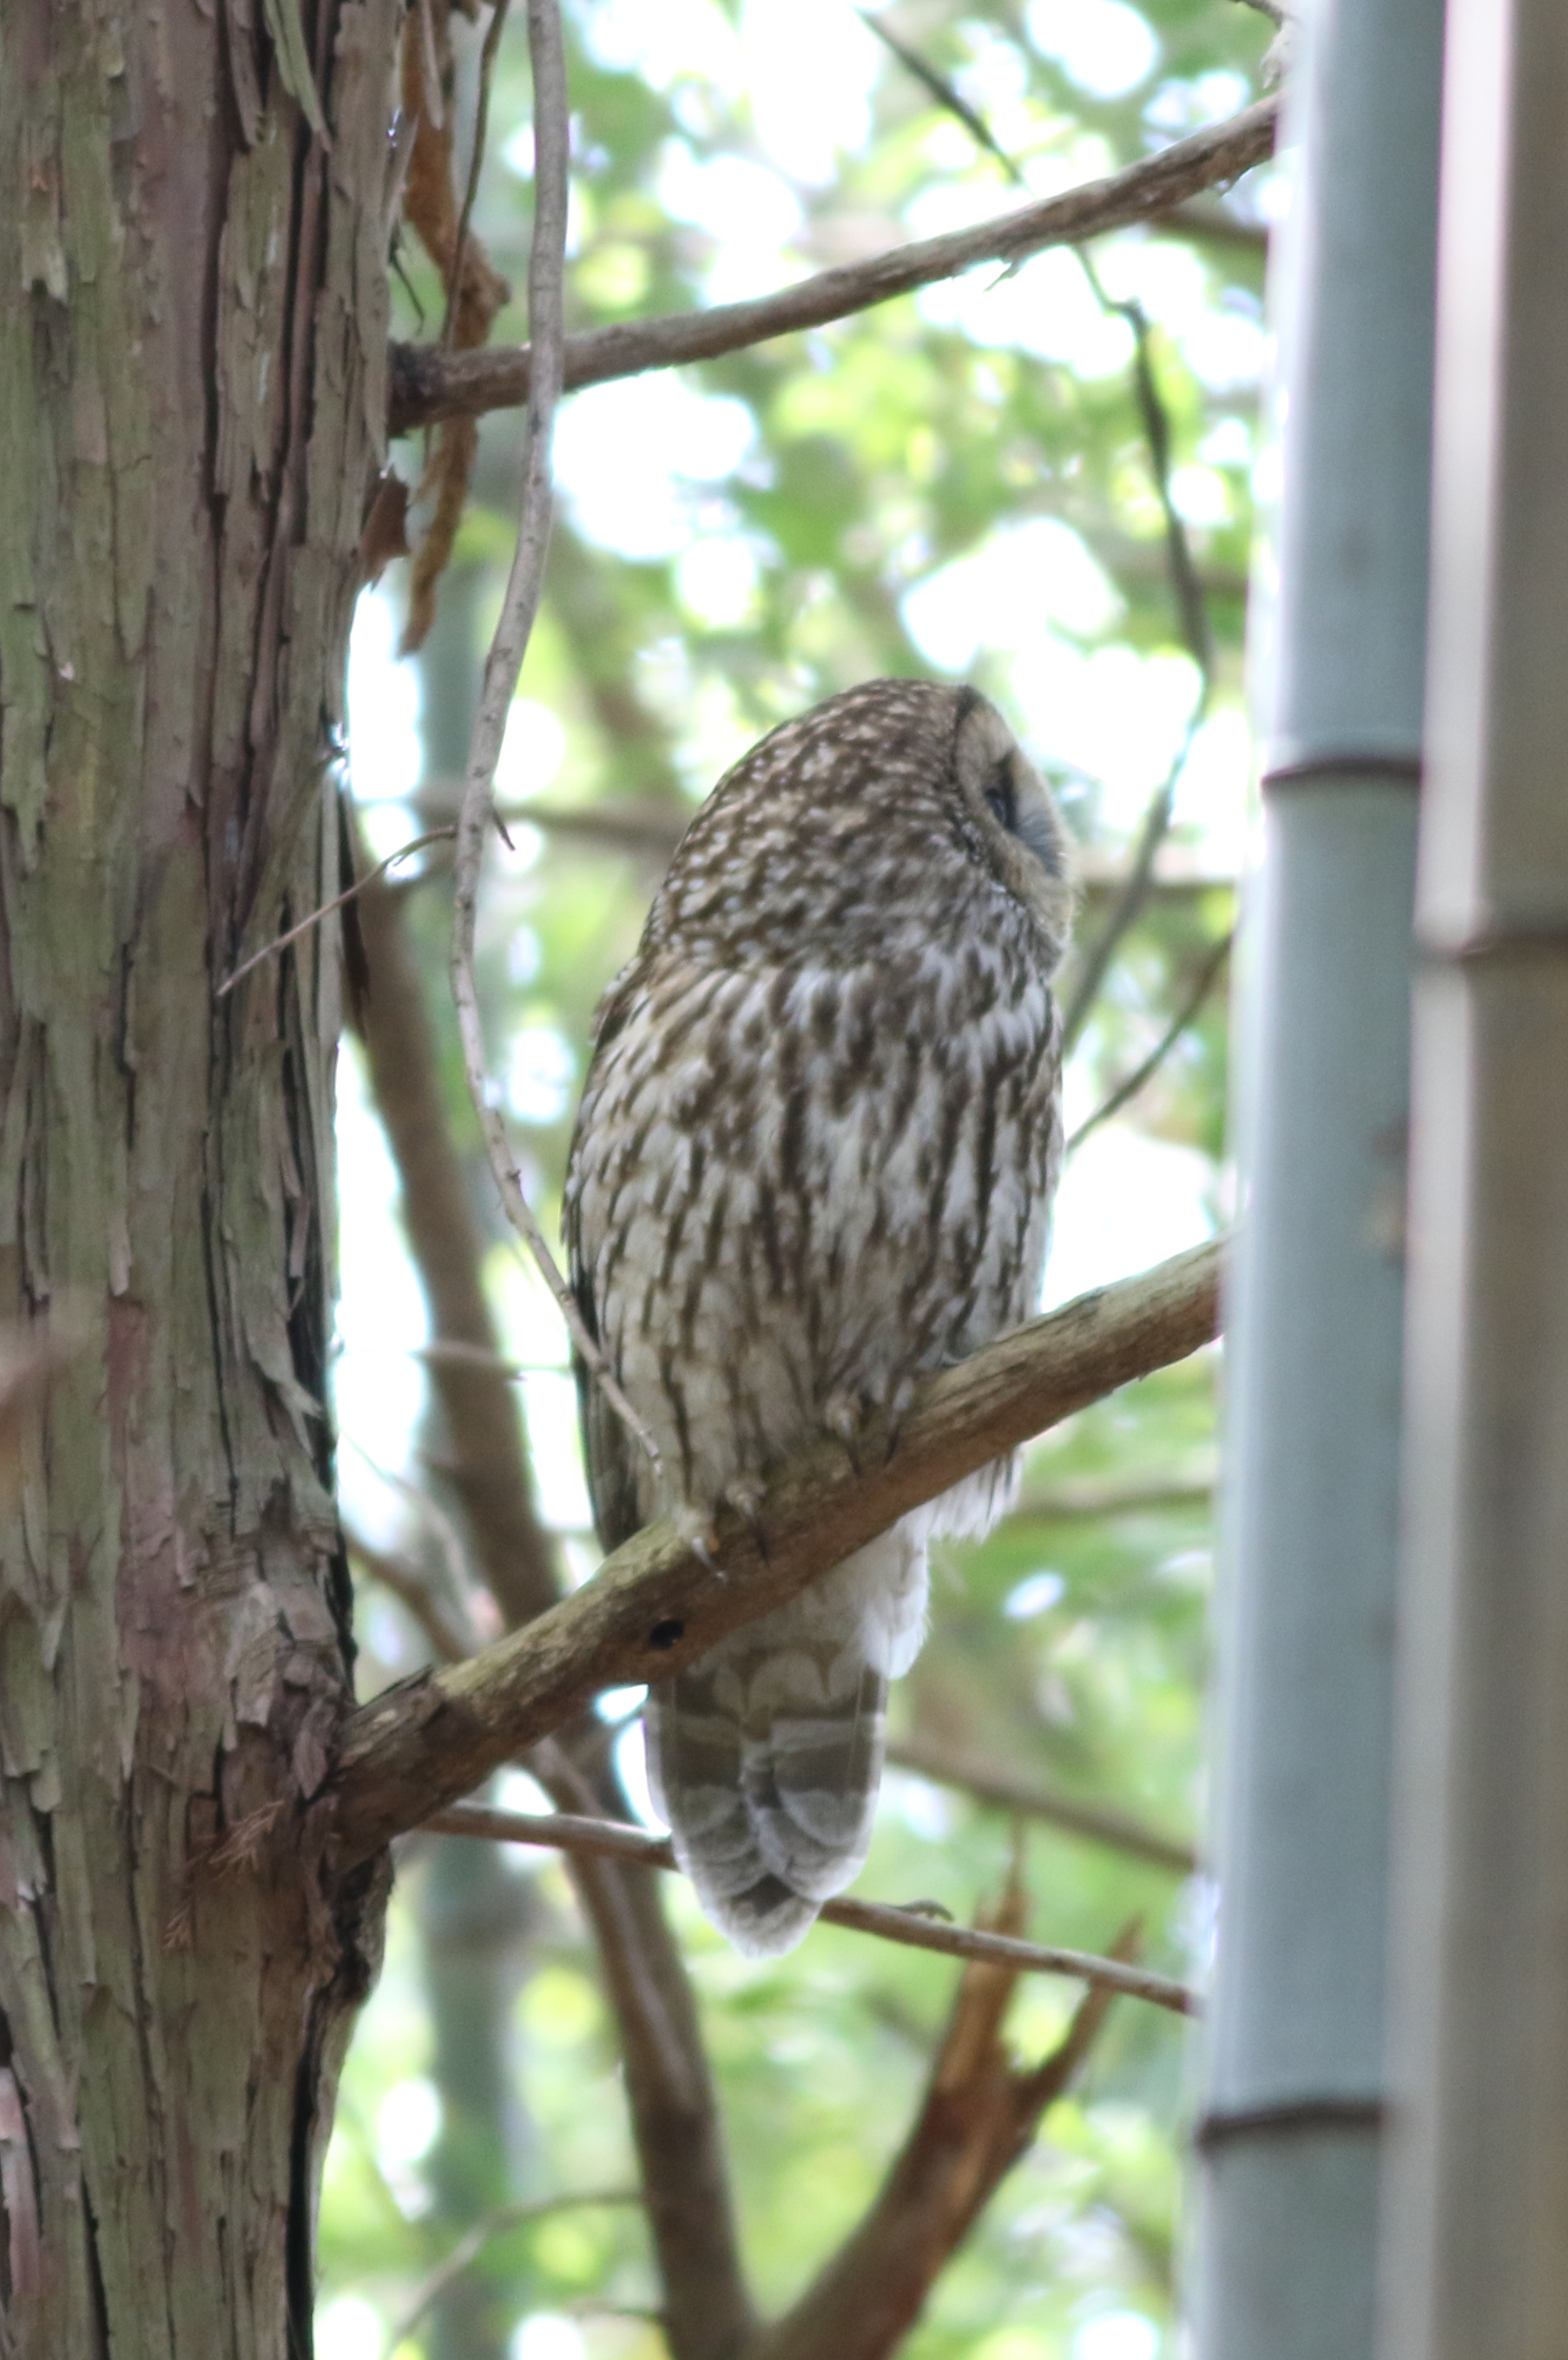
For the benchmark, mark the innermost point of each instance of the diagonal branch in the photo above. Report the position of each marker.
(610, 1840)
(488, 1466)
(1128, 1089)
(656, 1606)
(979, 2114)
(669, 2088)
(427, 385)
(1030, 1799)
(493, 2224)
(675, 2123)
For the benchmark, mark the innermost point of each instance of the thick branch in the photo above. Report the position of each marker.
(427, 385)
(656, 1605)
(608, 1839)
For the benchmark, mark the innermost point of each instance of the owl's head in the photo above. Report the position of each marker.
(1009, 805)
(895, 815)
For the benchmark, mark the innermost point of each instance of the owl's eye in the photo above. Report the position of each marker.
(999, 794)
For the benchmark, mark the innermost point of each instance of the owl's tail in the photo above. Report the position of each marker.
(765, 1755)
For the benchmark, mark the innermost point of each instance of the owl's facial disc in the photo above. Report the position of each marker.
(1027, 842)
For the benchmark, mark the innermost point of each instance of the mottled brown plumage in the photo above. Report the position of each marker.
(813, 1163)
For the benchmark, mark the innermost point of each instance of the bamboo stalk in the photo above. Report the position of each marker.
(1476, 2261)
(1294, 2071)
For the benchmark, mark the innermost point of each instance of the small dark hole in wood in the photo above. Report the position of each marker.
(665, 1634)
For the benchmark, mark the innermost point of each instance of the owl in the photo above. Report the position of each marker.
(813, 1163)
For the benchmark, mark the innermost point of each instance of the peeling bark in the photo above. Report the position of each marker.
(192, 381)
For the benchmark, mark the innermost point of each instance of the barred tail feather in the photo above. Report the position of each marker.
(765, 1757)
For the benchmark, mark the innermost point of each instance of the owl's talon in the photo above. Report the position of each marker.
(695, 1526)
(840, 1416)
(745, 1495)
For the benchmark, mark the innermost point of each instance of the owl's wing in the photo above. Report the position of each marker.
(611, 1456)
(608, 1450)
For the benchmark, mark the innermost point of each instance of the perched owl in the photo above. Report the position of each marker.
(812, 1165)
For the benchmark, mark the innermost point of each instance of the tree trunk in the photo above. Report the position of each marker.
(192, 333)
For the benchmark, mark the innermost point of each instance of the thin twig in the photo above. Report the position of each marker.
(1142, 1075)
(408, 1585)
(1069, 1501)
(476, 161)
(977, 2119)
(995, 1783)
(485, 1452)
(495, 2224)
(427, 385)
(1191, 612)
(652, 830)
(504, 662)
(1192, 620)
(565, 1831)
(946, 95)
(675, 2121)
(281, 942)
(446, 1354)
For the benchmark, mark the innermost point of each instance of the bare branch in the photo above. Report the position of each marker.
(992, 1782)
(1126, 1091)
(490, 2225)
(669, 2088)
(1193, 617)
(945, 94)
(427, 385)
(608, 1839)
(669, 2091)
(656, 1606)
(504, 662)
(1056, 1502)
(407, 1585)
(487, 1465)
(978, 2117)
(350, 893)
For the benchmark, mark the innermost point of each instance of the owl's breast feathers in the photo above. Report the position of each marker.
(802, 1184)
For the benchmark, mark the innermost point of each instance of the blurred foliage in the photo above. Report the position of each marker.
(957, 483)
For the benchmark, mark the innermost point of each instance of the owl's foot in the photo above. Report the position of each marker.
(843, 1419)
(694, 1525)
(745, 1494)
(900, 1400)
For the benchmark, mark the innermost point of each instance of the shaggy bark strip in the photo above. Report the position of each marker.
(655, 1604)
(428, 384)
